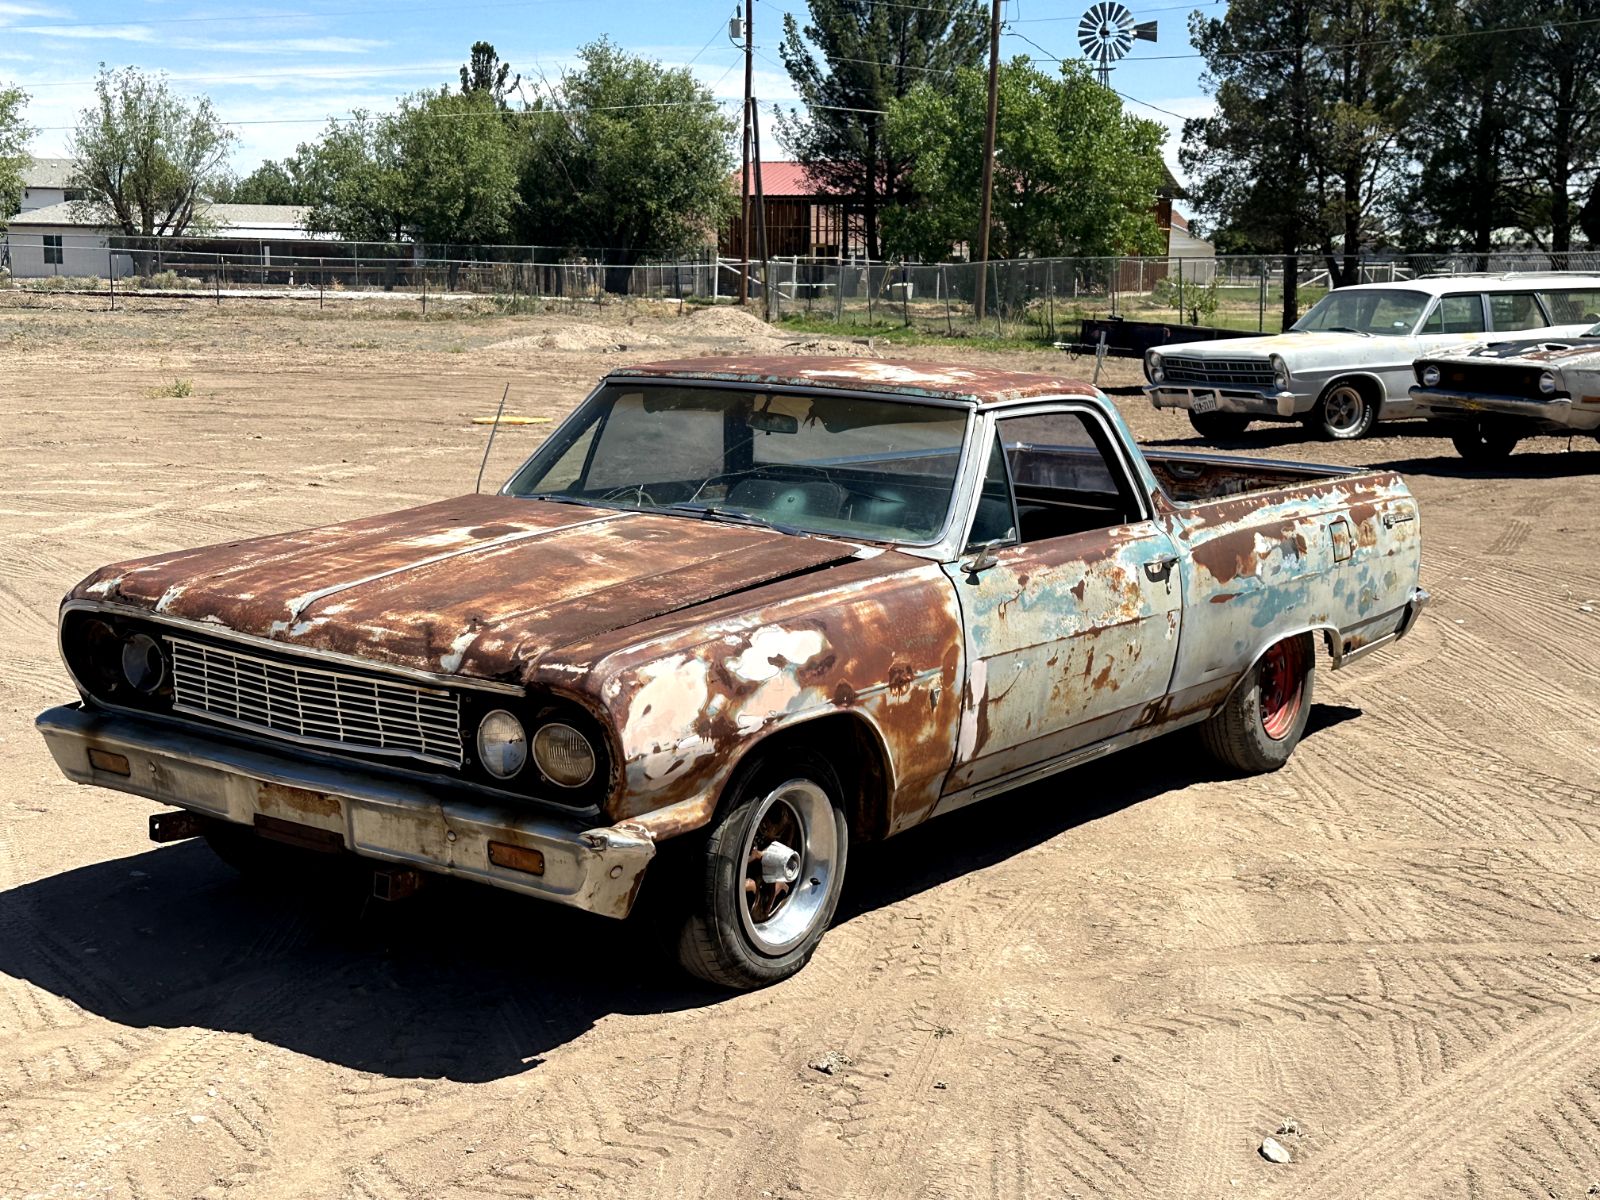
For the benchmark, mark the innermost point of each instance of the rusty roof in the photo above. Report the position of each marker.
(942, 381)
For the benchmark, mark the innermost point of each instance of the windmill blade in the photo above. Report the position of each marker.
(1145, 31)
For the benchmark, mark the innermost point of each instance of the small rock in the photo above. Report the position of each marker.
(1116, 1058)
(831, 1062)
(1272, 1151)
(197, 1119)
(1289, 1125)
(939, 1085)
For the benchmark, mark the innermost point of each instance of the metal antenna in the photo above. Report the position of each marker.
(478, 487)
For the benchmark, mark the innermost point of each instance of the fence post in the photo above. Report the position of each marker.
(944, 280)
(219, 281)
(1180, 291)
(1261, 303)
(1050, 285)
(322, 282)
(838, 292)
(999, 330)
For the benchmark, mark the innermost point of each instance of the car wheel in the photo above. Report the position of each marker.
(1219, 425)
(773, 867)
(1480, 442)
(1259, 725)
(1345, 413)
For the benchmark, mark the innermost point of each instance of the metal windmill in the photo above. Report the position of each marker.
(1107, 32)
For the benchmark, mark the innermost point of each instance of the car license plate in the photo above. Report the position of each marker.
(1203, 402)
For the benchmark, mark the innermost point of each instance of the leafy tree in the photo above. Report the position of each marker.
(1073, 173)
(455, 159)
(14, 136)
(351, 178)
(625, 155)
(486, 73)
(270, 183)
(146, 158)
(872, 54)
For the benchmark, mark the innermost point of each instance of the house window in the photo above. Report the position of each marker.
(52, 249)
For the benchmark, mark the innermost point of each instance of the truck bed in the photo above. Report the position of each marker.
(1191, 478)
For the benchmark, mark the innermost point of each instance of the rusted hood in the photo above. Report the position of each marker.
(480, 586)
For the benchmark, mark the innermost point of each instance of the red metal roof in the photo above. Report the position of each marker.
(780, 178)
(910, 379)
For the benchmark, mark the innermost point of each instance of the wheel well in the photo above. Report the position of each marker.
(852, 746)
(1369, 387)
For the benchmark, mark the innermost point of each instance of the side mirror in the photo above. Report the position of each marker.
(982, 558)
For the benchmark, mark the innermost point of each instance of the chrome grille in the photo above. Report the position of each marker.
(1221, 372)
(309, 704)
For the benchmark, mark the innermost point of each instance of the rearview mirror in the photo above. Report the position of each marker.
(771, 422)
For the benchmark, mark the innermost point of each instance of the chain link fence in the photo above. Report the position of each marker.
(1036, 299)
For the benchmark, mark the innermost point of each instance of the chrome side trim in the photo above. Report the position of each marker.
(261, 643)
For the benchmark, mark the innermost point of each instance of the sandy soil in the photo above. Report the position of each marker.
(1115, 984)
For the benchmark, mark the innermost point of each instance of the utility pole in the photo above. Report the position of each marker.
(761, 212)
(988, 159)
(744, 187)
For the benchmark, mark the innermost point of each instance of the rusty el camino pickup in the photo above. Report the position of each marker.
(738, 614)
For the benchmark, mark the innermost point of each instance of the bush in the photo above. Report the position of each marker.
(178, 387)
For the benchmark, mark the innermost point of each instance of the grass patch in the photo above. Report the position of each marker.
(898, 333)
(177, 388)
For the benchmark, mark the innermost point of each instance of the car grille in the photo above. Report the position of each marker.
(309, 704)
(1222, 372)
(1487, 379)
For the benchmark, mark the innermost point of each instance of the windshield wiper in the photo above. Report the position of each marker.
(707, 513)
(558, 498)
(1347, 329)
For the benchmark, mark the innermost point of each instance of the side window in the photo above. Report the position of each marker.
(1065, 479)
(993, 520)
(1456, 314)
(1514, 310)
(1573, 306)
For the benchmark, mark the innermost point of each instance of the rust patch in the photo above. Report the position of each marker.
(275, 797)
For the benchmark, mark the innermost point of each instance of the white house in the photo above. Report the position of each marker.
(44, 182)
(57, 240)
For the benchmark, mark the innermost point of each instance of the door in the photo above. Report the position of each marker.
(1069, 598)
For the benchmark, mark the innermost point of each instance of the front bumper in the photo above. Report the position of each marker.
(392, 820)
(1556, 412)
(1251, 401)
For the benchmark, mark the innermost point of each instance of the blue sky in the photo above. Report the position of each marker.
(280, 69)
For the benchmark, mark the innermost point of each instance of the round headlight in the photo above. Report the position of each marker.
(502, 745)
(1430, 376)
(1280, 374)
(143, 664)
(1547, 384)
(563, 754)
(1157, 375)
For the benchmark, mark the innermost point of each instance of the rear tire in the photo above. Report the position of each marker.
(1345, 412)
(1215, 426)
(1482, 442)
(1258, 726)
(752, 922)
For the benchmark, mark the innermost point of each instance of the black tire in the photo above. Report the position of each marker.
(1254, 739)
(1347, 411)
(736, 938)
(1221, 426)
(1483, 442)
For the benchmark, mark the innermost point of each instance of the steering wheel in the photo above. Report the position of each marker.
(763, 471)
(641, 497)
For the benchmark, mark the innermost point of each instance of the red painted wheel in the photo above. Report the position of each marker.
(1283, 679)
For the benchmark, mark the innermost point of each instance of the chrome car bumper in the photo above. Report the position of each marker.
(1557, 411)
(391, 820)
(1229, 400)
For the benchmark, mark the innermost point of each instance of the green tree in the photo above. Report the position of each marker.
(270, 183)
(146, 159)
(625, 155)
(351, 178)
(872, 53)
(456, 163)
(15, 134)
(1074, 174)
(485, 72)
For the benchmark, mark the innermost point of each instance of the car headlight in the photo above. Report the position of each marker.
(1430, 376)
(1547, 383)
(1152, 368)
(144, 666)
(563, 754)
(1280, 373)
(502, 744)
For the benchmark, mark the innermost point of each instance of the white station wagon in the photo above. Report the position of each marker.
(1347, 363)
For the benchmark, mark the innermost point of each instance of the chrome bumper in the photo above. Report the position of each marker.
(1557, 410)
(1229, 400)
(392, 820)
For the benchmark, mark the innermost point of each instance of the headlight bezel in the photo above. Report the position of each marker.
(1430, 376)
(544, 753)
(1280, 372)
(1153, 370)
(505, 737)
(1549, 385)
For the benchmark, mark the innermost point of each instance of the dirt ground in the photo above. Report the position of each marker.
(1112, 984)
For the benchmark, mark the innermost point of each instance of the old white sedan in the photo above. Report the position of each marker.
(1347, 363)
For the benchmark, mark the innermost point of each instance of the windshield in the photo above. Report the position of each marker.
(1381, 312)
(875, 469)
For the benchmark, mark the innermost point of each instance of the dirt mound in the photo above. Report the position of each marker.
(831, 347)
(580, 337)
(726, 322)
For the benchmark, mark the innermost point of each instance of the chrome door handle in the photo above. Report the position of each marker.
(1158, 569)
